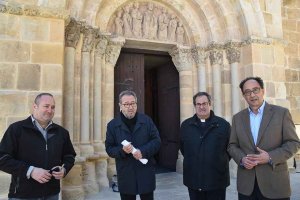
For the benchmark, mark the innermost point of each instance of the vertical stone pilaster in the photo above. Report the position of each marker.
(216, 60)
(200, 56)
(72, 35)
(90, 184)
(88, 40)
(99, 62)
(183, 61)
(233, 56)
(111, 56)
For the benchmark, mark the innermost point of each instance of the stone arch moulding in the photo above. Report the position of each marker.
(148, 21)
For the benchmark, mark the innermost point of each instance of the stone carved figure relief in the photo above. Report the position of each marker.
(148, 21)
(137, 18)
(127, 21)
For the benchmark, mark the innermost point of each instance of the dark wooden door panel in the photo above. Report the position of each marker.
(129, 75)
(168, 114)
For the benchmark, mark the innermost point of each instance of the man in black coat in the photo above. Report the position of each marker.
(134, 177)
(37, 153)
(204, 140)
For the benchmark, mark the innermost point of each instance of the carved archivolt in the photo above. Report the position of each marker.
(146, 20)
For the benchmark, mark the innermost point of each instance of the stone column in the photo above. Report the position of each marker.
(233, 56)
(216, 60)
(72, 35)
(111, 56)
(99, 148)
(199, 56)
(182, 59)
(99, 61)
(88, 39)
(72, 183)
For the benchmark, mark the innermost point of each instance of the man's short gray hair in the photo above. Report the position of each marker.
(127, 93)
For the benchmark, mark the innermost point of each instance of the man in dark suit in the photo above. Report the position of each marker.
(263, 138)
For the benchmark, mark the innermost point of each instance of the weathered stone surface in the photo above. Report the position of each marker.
(34, 29)
(18, 107)
(57, 30)
(47, 53)
(9, 26)
(14, 51)
(29, 76)
(8, 76)
(51, 77)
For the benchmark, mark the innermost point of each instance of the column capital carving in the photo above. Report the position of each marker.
(199, 55)
(113, 50)
(89, 35)
(233, 52)
(182, 58)
(216, 57)
(72, 33)
(101, 42)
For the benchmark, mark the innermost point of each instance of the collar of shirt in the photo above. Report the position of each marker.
(35, 122)
(260, 109)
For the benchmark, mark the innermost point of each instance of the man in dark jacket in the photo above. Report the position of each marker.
(204, 139)
(37, 153)
(134, 177)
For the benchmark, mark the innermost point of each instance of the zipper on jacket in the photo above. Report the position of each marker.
(17, 184)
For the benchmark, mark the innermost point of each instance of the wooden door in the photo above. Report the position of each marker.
(129, 75)
(168, 114)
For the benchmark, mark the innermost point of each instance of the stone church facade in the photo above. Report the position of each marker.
(70, 48)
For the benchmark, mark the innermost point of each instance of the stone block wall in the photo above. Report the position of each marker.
(291, 35)
(31, 62)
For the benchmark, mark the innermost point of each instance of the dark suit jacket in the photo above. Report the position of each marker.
(277, 136)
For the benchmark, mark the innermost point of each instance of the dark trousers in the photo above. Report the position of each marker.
(53, 197)
(148, 196)
(257, 195)
(207, 195)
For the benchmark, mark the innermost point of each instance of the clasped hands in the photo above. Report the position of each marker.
(43, 176)
(128, 149)
(252, 160)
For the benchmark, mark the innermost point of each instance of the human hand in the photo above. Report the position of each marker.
(128, 148)
(137, 154)
(261, 158)
(40, 175)
(248, 163)
(58, 172)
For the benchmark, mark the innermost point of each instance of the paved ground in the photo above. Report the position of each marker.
(170, 187)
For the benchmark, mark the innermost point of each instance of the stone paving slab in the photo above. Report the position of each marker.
(169, 187)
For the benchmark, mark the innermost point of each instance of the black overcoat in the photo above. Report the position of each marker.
(206, 161)
(133, 176)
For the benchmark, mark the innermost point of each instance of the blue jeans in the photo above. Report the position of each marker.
(52, 197)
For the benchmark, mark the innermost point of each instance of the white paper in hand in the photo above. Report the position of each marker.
(142, 160)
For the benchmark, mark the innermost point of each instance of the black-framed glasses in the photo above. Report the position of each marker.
(127, 105)
(205, 104)
(254, 90)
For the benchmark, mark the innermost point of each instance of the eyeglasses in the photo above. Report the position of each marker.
(254, 90)
(127, 105)
(202, 104)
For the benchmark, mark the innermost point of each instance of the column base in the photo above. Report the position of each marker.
(86, 150)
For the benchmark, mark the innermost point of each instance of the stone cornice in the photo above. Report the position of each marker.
(19, 9)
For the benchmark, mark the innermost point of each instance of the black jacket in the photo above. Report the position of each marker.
(133, 176)
(206, 161)
(23, 146)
